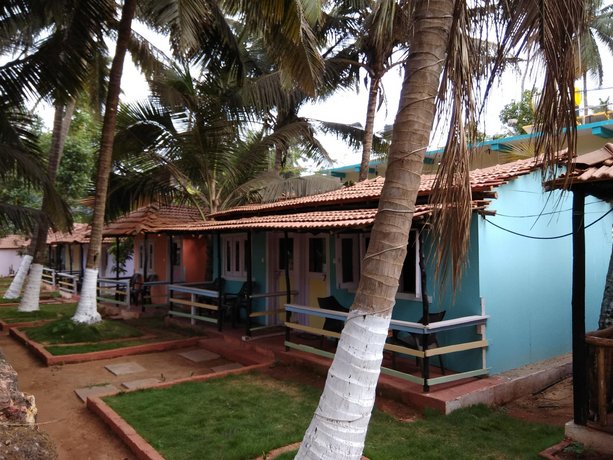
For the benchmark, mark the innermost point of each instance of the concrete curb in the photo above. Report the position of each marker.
(550, 452)
(51, 360)
(135, 442)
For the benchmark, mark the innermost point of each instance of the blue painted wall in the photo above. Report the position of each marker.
(526, 283)
(466, 301)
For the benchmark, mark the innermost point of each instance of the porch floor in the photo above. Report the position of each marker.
(447, 397)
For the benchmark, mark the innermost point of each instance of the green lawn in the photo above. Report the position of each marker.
(64, 337)
(47, 311)
(242, 417)
(91, 347)
(67, 331)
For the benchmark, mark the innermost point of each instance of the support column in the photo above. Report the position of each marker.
(425, 365)
(219, 295)
(249, 267)
(288, 296)
(580, 399)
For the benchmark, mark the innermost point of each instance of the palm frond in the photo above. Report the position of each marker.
(353, 136)
(286, 28)
(20, 218)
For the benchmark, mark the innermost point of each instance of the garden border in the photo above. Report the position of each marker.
(134, 441)
(50, 360)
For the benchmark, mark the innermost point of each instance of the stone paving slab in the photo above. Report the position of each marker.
(97, 390)
(226, 367)
(200, 355)
(124, 368)
(141, 383)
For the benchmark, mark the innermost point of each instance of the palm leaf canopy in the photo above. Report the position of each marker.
(21, 159)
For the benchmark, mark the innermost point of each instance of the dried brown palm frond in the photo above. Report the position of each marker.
(548, 27)
(452, 194)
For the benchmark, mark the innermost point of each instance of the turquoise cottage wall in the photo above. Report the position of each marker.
(466, 301)
(526, 283)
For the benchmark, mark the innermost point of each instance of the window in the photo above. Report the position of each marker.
(317, 255)
(410, 276)
(234, 247)
(148, 255)
(351, 250)
(347, 267)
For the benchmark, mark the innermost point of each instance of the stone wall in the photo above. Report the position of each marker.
(19, 435)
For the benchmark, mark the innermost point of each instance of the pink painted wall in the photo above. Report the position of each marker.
(194, 258)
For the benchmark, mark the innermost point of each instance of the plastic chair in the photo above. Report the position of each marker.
(416, 341)
(330, 324)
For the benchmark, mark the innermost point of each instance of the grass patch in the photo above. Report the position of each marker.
(91, 347)
(157, 324)
(5, 300)
(237, 417)
(47, 311)
(67, 331)
(244, 416)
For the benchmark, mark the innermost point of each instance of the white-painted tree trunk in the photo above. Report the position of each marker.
(87, 311)
(349, 395)
(16, 286)
(30, 301)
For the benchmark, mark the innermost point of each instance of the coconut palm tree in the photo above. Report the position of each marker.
(440, 67)
(285, 28)
(86, 311)
(33, 27)
(382, 29)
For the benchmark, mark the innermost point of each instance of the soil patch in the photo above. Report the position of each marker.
(24, 443)
(553, 405)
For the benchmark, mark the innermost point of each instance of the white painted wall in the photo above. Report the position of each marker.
(8, 258)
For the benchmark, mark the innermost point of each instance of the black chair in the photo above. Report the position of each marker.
(233, 302)
(215, 285)
(416, 341)
(330, 324)
(136, 289)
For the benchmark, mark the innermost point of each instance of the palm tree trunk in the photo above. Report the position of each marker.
(86, 309)
(338, 428)
(279, 151)
(36, 249)
(14, 290)
(369, 127)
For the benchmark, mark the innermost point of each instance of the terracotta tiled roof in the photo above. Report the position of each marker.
(315, 220)
(13, 242)
(594, 166)
(593, 172)
(370, 190)
(79, 234)
(152, 219)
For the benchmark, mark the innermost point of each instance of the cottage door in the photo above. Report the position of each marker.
(308, 269)
(278, 247)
